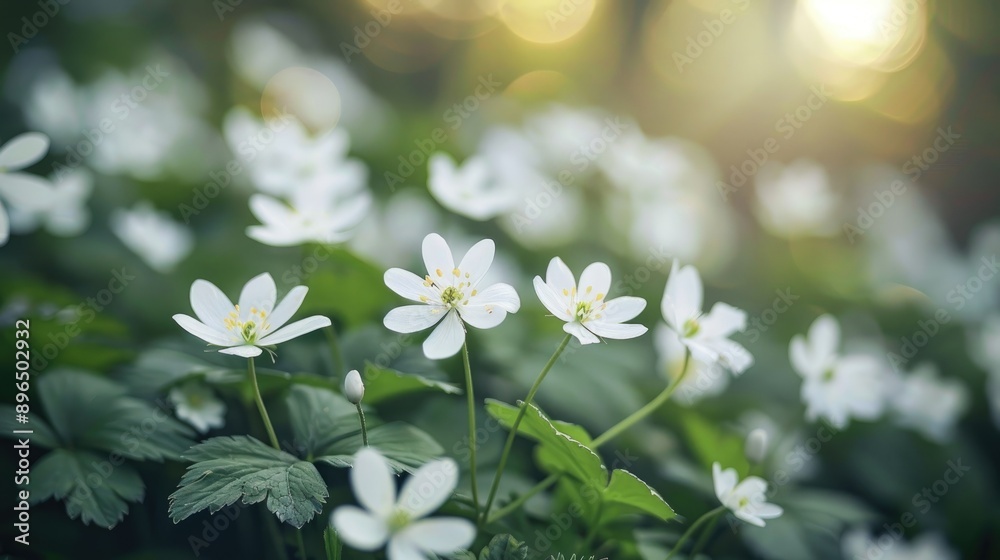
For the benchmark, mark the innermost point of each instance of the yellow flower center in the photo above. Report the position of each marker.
(250, 329)
(398, 520)
(691, 328)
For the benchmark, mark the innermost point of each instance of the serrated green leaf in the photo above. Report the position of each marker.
(504, 547)
(382, 384)
(404, 446)
(229, 468)
(559, 451)
(42, 435)
(626, 489)
(319, 417)
(93, 488)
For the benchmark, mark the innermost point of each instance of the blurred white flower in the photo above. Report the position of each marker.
(315, 214)
(635, 163)
(255, 322)
(747, 499)
(473, 189)
(984, 348)
(197, 405)
(564, 135)
(153, 235)
(836, 387)
(27, 193)
(390, 235)
(756, 446)
(449, 295)
(928, 404)
(66, 214)
(398, 522)
(796, 200)
(705, 335)
(52, 105)
(858, 543)
(584, 307)
(354, 387)
(701, 380)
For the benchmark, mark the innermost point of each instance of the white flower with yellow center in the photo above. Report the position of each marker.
(705, 335)
(197, 405)
(255, 322)
(585, 308)
(747, 499)
(450, 296)
(400, 522)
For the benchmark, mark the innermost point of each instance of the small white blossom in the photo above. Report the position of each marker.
(354, 387)
(584, 307)
(153, 235)
(474, 189)
(66, 213)
(255, 322)
(928, 404)
(747, 499)
(755, 448)
(399, 523)
(197, 405)
(796, 200)
(26, 193)
(701, 379)
(316, 213)
(449, 296)
(858, 543)
(705, 335)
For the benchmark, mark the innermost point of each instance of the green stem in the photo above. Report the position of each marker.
(645, 411)
(515, 504)
(301, 544)
(336, 358)
(260, 405)
(517, 422)
(364, 428)
(703, 539)
(687, 534)
(471, 401)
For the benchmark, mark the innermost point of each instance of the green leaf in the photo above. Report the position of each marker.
(159, 368)
(42, 435)
(711, 444)
(504, 547)
(94, 489)
(559, 451)
(348, 287)
(228, 468)
(628, 490)
(318, 417)
(383, 384)
(331, 543)
(406, 447)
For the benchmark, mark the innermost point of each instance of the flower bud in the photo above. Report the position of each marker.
(756, 446)
(354, 388)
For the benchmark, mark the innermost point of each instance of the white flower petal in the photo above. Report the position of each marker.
(595, 279)
(749, 517)
(286, 308)
(477, 261)
(447, 338)
(23, 150)
(824, 337)
(294, 330)
(245, 351)
(682, 297)
(582, 334)
(556, 304)
(210, 305)
(482, 316)
(560, 278)
(270, 211)
(373, 483)
(441, 535)
(408, 285)
(618, 331)
(724, 481)
(4, 225)
(276, 237)
(622, 309)
(438, 258)
(722, 321)
(260, 293)
(767, 511)
(500, 295)
(428, 488)
(730, 354)
(403, 549)
(360, 529)
(203, 331)
(413, 318)
(27, 193)
(798, 355)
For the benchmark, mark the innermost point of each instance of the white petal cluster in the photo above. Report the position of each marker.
(197, 405)
(747, 499)
(153, 235)
(923, 401)
(796, 200)
(25, 193)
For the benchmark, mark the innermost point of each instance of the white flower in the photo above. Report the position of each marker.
(474, 190)
(836, 387)
(153, 235)
(857, 543)
(400, 521)
(930, 405)
(354, 388)
(254, 323)
(197, 405)
(66, 213)
(449, 295)
(756, 445)
(701, 380)
(27, 193)
(796, 200)
(588, 315)
(706, 336)
(317, 213)
(747, 499)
